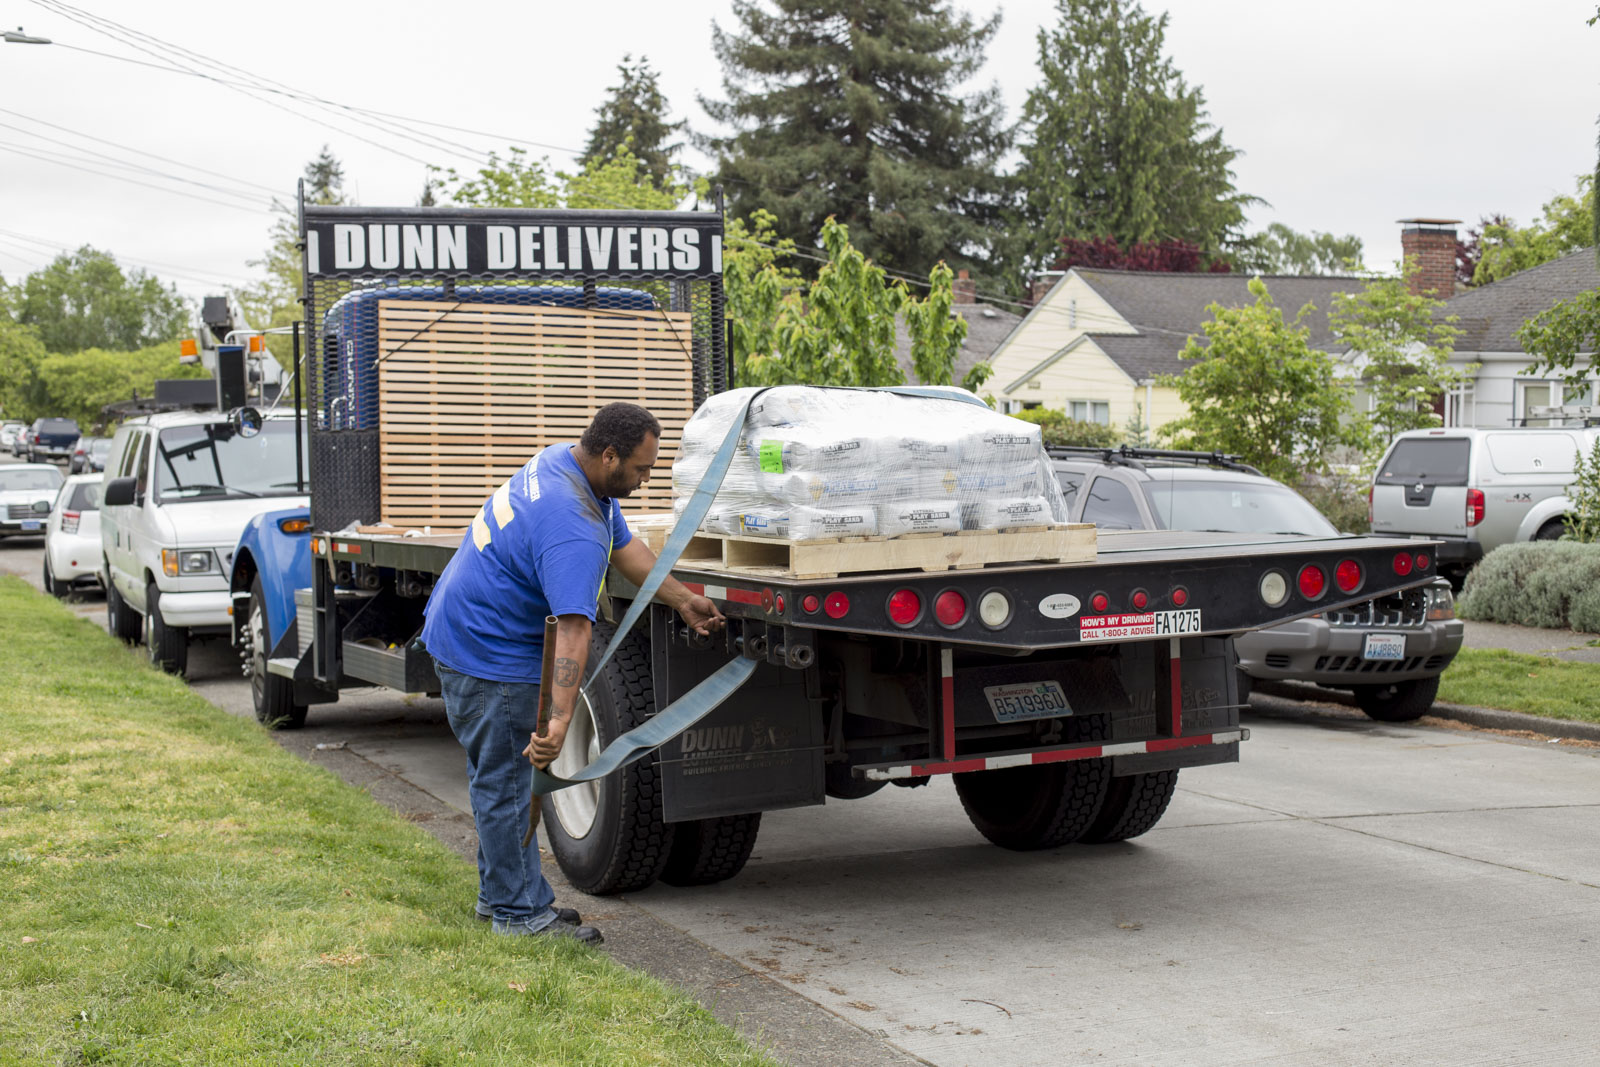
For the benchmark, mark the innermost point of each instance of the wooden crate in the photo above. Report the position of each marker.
(773, 558)
(469, 392)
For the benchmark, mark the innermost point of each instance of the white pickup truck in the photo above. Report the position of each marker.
(179, 489)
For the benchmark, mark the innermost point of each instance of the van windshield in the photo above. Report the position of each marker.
(1427, 461)
(195, 462)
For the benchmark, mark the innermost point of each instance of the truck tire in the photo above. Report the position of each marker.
(1397, 701)
(1026, 808)
(273, 696)
(608, 836)
(1134, 804)
(1553, 530)
(710, 850)
(168, 645)
(121, 620)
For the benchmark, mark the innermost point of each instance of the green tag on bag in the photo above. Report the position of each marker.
(772, 457)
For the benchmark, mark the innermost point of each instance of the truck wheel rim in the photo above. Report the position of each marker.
(577, 806)
(258, 666)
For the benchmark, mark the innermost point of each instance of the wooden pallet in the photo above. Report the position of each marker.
(469, 392)
(773, 558)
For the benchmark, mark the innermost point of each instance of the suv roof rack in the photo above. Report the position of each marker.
(1129, 456)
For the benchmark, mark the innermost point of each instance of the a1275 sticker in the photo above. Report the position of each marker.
(1140, 624)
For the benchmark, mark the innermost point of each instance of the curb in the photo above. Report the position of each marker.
(1486, 718)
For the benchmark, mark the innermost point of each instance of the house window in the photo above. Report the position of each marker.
(1460, 405)
(1090, 411)
(1030, 405)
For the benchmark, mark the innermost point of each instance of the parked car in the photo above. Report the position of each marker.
(72, 536)
(1388, 652)
(90, 454)
(1476, 490)
(26, 493)
(8, 433)
(179, 489)
(52, 439)
(19, 443)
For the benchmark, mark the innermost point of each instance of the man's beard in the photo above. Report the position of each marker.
(618, 486)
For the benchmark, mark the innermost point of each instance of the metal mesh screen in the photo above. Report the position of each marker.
(425, 391)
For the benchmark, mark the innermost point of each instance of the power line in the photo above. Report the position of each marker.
(129, 148)
(148, 263)
(126, 164)
(20, 150)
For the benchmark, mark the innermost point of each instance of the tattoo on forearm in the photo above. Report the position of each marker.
(566, 672)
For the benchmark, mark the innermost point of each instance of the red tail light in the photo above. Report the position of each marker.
(1402, 563)
(904, 607)
(1474, 506)
(811, 604)
(69, 521)
(1100, 602)
(950, 607)
(1422, 561)
(1312, 581)
(1180, 597)
(1347, 575)
(837, 605)
(1139, 599)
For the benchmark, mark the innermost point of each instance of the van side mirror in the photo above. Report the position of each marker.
(118, 491)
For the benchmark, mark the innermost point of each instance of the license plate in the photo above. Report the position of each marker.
(1028, 700)
(1385, 646)
(32, 524)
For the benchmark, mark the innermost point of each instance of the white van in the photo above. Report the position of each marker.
(179, 489)
(1477, 489)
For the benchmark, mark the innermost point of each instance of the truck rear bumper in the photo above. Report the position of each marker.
(884, 772)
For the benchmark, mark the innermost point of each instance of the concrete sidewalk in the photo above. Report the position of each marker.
(1562, 644)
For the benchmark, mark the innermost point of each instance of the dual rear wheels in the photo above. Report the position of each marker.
(1028, 808)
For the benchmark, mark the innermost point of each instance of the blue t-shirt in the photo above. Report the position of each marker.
(540, 546)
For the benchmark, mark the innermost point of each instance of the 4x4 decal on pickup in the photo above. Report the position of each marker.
(1145, 624)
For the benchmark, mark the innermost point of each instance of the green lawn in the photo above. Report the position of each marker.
(175, 888)
(1537, 685)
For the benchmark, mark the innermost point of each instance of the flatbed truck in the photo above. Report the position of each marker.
(1063, 697)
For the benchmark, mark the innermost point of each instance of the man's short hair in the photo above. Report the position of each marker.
(619, 426)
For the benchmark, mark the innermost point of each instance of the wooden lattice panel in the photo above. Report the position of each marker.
(468, 392)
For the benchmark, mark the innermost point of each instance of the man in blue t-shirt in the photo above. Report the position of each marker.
(540, 546)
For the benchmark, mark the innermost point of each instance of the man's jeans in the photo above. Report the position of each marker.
(493, 721)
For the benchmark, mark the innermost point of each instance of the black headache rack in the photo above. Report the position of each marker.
(1129, 456)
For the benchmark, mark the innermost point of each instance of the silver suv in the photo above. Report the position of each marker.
(1476, 490)
(1388, 652)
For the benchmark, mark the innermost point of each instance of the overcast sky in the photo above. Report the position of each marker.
(1349, 116)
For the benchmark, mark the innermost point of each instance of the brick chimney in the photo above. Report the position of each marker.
(1432, 243)
(1042, 284)
(965, 290)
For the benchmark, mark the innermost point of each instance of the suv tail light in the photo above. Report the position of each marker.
(69, 521)
(1474, 506)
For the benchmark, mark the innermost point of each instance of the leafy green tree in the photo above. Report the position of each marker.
(1563, 339)
(274, 301)
(1280, 250)
(620, 181)
(1566, 224)
(850, 109)
(1115, 143)
(634, 116)
(83, 299)
(1402, 346)
(1258, 389)
(21, 352)
(79, 384)
(839, 329)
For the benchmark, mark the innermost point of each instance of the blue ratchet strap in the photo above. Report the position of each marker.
(704, 698)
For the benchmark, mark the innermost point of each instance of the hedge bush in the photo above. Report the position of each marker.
(1554, 584)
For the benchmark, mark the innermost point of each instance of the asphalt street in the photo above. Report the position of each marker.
(1350, 893)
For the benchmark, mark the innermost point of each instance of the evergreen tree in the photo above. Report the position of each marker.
(635, 116)
(848, 108)
(1116, 144)
(325, 179)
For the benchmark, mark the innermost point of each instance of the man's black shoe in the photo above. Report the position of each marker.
(587, 935)
(569, 916)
